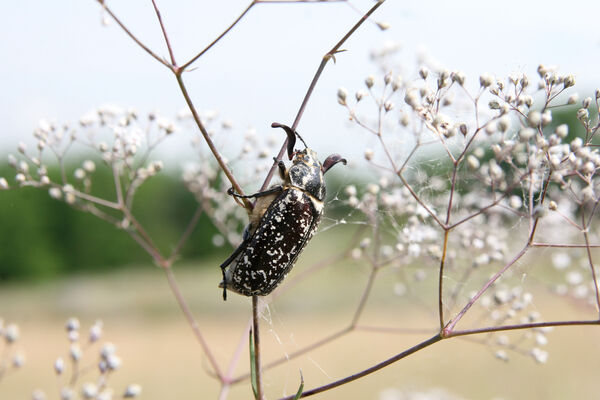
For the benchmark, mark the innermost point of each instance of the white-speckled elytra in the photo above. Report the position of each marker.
(284, 218)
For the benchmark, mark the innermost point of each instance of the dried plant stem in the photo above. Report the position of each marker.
(162, 28)
(452, 323)
(328, 56)
(132, 36)
(209, 142)
(256, 342)
(590, 260)
(192, 321)
(374, 368)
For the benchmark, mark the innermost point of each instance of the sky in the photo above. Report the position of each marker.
(60, 61)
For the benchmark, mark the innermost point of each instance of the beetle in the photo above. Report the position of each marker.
(284, 218)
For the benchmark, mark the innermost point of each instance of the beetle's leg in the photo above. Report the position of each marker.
(282, 169)
(232, 257)
(267, 192)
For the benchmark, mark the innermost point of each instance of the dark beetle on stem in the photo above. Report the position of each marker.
(283, 220)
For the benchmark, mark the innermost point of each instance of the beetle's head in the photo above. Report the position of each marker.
(306, 172)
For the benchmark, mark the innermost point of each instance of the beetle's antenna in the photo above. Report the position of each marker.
(291, 133)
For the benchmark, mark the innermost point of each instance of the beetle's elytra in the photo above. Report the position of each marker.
(283, 220)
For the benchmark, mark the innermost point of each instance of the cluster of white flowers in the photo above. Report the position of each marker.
(473, 172)
(113, 138)
(108, 362)
(10, 358)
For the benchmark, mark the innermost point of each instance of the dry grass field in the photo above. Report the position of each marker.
(160, 353)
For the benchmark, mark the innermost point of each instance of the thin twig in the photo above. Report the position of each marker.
(132, 36)
(256, 342)
(192, 321)
(329, 55)
(162, 28)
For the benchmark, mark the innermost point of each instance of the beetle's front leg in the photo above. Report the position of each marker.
(276, 189)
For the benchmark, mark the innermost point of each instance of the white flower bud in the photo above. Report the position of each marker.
(20, 178)
(95, 332)
(89, 391)
(586, 102)
(66, 393)
(341, 96)
(370, 81)
(79, 174)
(458, 77)
(552, 206)
(55, 193)
(473, 162)
(405, 119)
(113, 362)
(75, 352)
(107, 350)
(526, 133)
(350, 190)
(18, 360)
(573, 98)
(387, 79)
(89, 166)
(486, 80)
(59, 365)
(360, 95)
(132, 390)
(373, 188)
(588, 193)
(423, 72)
(70, 198)
(504, 123)
(369, 154)
(22, 148)
(569, 81)
(3, 184)
(388, 105)
(534, 118)
(397, 83)
(12, 161)
(546, 118)
(562, 131)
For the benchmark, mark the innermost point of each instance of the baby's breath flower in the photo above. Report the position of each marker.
(55, 193)
(423, 72)
(3, 184)
(539, 355)
(473, 162)
(360, 94)
(369, 154)
(341, 96)
(59, 365)
(132, 390)
(89, 390)
(370, 81)
(89, 166)
(486, 80)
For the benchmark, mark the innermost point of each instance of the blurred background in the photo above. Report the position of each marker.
(64, 59)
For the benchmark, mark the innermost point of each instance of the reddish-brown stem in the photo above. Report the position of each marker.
(186, 234)
(256, 343)
(225, 32)
(329, 55)
(209, 141)
(452, 323)
(164, 32)
(590, 260)
(300, 352)
(192, 322)
(441, 280)
(520, 326)
(132, 36)
(370, 370)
